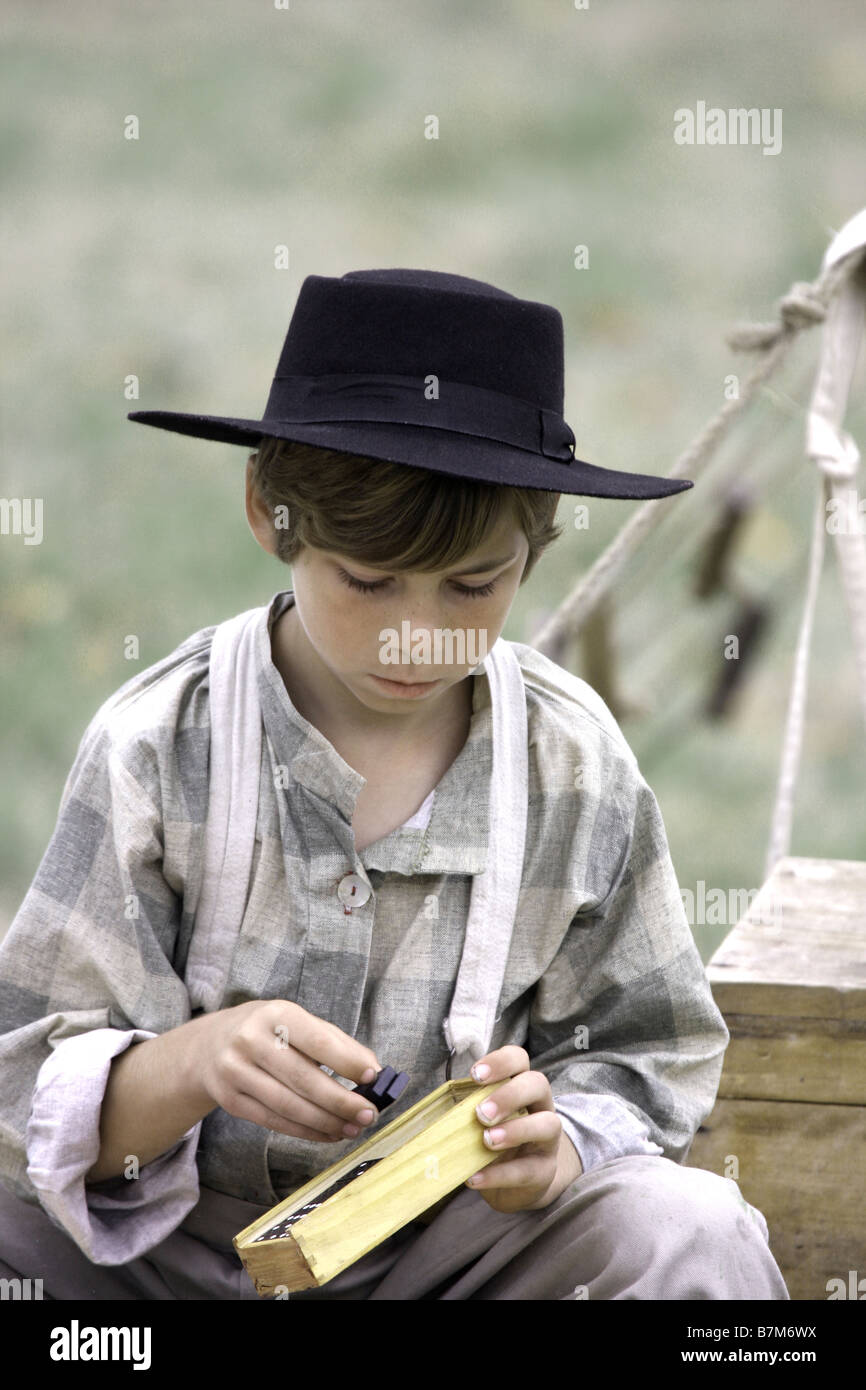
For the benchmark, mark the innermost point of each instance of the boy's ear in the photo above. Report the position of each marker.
(259, 518)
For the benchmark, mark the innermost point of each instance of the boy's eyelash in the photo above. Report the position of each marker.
(370, 588)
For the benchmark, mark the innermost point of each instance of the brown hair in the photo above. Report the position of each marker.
(387, 515)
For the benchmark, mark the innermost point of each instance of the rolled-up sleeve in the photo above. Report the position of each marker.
(116, 1220)
(601, 1128)
(86, 970)
(623, 1022)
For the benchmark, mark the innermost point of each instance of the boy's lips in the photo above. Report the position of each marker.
(410, 689)
(396, 682)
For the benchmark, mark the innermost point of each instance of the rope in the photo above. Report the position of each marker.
(802, 307)
(851, 555)
(762, 456)
(837, 457)
(664, 652)
(783, 809)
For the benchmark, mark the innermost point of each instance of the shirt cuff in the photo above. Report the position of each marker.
(602, 1128)
(117, 1220)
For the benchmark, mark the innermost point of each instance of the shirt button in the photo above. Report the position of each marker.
(353, 891)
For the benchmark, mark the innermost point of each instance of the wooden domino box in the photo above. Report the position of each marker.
(406, 1168)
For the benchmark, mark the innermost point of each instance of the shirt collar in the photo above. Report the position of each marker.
(455, 840)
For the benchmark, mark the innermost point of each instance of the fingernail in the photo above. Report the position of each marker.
(487, 1111)
(365, 1116)
(494, 1136)
(368, 1076)
(480, 1071)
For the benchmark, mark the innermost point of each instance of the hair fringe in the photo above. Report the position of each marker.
(348, 503)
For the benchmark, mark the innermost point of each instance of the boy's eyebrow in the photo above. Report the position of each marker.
(490, 565)
(487, 565)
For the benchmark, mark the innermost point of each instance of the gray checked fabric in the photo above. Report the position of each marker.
(604, 986)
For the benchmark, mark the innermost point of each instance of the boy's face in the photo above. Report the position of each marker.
(340, 632)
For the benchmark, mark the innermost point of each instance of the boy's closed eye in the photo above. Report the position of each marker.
(372, 587)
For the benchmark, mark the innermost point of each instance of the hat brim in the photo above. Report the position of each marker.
(420, 446)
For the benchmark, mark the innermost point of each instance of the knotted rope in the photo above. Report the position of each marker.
(802, 307)
(837, 457)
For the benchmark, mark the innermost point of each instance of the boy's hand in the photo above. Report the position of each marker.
(260, 1062)
(538, 1159)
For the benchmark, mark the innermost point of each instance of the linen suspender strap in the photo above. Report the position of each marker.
(469, 1026)
(233, 801)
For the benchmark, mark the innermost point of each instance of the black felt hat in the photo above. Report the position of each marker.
(428, 369)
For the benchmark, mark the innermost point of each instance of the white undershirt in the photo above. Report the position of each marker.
(421, 818)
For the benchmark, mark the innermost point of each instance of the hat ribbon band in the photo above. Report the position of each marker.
(406, 400)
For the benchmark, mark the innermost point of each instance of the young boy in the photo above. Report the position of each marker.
(318, 840)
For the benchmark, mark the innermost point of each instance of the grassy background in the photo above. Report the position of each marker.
(305, 127)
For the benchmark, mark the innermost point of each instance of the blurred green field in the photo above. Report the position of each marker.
(305, 127)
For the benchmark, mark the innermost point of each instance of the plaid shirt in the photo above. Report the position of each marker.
(604, 986)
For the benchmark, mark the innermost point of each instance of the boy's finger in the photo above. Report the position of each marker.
(532, 1171)
(306, 1080)
(324, 1044)
(504, 1062)
(528, 1089)
(544, 1128)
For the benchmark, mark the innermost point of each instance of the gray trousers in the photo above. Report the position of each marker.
(639, 1227)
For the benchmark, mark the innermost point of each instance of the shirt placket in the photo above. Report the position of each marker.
(342, 907)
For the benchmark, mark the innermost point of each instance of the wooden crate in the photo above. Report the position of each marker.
(789, 1122)
(420, 1159)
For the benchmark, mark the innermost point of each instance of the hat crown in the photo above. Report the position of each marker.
(428, 369)
(417, 323)
(428, 279)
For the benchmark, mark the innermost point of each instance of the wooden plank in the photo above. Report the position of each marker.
(787, 1001)
(802, 1166)
(812, 1059)
(800, 949)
